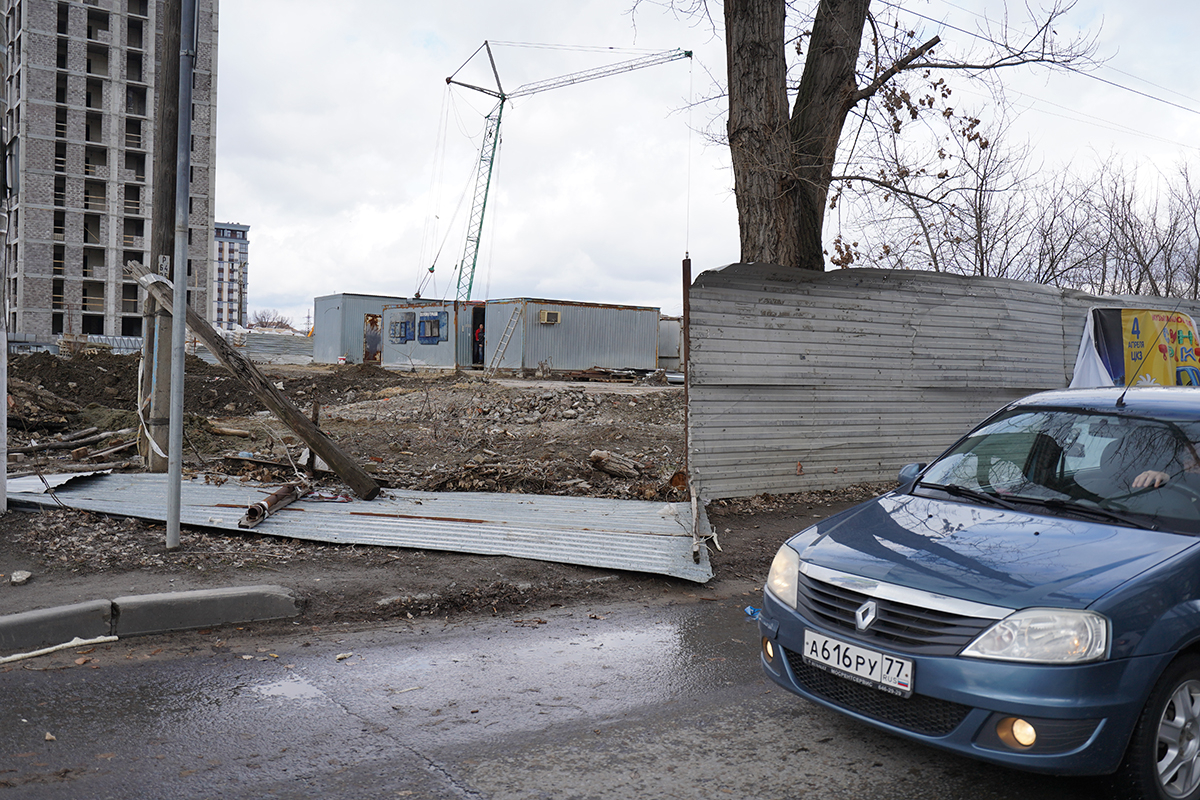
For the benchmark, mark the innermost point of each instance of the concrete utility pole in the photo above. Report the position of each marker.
(183, 169)
(155, 390)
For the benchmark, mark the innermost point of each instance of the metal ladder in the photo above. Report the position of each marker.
(502, 345)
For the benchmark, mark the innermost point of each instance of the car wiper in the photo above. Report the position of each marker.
(974, 494)
(1092, 511)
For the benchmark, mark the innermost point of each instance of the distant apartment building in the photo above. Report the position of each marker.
(80, 88)
(228, 304)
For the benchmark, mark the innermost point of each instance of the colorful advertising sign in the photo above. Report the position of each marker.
(1137, 347)
(1160, 347)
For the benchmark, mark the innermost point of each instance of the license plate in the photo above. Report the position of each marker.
(868, 667)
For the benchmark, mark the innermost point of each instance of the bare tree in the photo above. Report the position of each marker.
(964, 209)
(1185, 196)
(1064, 240)
(269, 318)
(785, 160)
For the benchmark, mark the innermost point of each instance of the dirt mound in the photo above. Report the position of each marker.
(101, 377)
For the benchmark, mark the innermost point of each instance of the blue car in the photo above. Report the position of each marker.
(1031, 598)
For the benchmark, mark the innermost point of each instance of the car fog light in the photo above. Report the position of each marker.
(769, 649)
(1016, 733)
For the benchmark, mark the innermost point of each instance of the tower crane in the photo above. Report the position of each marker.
(491, 137)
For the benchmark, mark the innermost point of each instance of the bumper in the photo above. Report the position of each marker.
(1084, 714)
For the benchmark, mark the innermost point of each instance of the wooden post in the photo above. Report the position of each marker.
(345, 467)
(154, 397)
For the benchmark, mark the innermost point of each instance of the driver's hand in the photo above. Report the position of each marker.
(1149, 478)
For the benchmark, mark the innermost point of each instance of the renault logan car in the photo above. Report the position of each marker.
(1031, 598)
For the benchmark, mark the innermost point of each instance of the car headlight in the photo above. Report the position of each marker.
(1044, 635)
(785, 570)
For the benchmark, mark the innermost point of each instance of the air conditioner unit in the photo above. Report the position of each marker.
(548, 317)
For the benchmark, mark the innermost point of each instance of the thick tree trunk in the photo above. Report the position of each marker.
(826, 95)
(783, 166)
(758, 129)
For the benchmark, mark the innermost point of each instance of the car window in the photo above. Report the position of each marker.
(1086, 458)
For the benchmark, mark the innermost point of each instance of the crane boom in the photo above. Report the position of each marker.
(483, 180)
(491, 137)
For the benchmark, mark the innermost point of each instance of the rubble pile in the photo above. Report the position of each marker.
(431, 432)
(505, 405)
(81, 541)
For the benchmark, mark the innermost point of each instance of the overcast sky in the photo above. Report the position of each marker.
(341, 146)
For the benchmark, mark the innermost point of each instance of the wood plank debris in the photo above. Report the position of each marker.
(270, 396)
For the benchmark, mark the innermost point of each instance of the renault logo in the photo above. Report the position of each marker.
(865, 615)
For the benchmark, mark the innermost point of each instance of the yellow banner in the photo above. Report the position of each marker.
(1160, 348)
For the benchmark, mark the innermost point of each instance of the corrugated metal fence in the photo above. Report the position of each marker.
(264, 348)
(802, 381)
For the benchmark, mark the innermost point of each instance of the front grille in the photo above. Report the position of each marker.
(903, 627)
(918, 713)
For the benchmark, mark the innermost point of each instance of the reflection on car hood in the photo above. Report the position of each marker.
(988, 555)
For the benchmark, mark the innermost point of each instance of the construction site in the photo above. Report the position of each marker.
(443, 433)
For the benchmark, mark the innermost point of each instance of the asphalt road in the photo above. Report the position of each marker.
(640, 701)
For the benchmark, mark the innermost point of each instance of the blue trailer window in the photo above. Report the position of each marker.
(434, 328)
(403, 329)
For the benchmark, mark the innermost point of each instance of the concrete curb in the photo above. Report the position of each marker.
(139, 615)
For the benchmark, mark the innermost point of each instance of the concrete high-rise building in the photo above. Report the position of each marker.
(81, 107)
(228, 305)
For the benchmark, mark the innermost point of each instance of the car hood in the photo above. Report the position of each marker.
(987, 555)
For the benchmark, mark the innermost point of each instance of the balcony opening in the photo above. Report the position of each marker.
(60, 90)
(64, 17)
(60, 123)
(56, 324)
(93, 300)
(93, 324)
(94, 198)
(137, 7)
(60, 157)
(93, 263)
(136, 163)
(94, 97)
(62, 54)
(60, 226)
(95, 162)
(60, 191)
(134, 39)
(133, 133)
(60, 259)
(91, 229)
(131, 326)
(129, 298)
(57, 289)
(93, 128)
(133, 67)
(133, 232)
(133, 199)
(135, 100)
(97, 60)
(97, 25)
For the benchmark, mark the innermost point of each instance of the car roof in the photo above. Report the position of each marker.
(1172, 402)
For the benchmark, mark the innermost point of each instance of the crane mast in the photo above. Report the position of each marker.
(491, 138)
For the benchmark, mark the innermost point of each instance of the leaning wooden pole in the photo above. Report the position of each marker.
(344, 466)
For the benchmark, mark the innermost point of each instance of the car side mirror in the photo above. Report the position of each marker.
(908, 476)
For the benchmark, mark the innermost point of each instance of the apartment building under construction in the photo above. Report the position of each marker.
(80, 83)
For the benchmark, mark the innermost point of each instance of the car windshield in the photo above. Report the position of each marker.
(1114, 468)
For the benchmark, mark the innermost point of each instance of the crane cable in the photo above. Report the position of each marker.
(436, 179)
(687, 202)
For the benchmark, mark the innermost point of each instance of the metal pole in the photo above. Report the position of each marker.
(183, 164)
